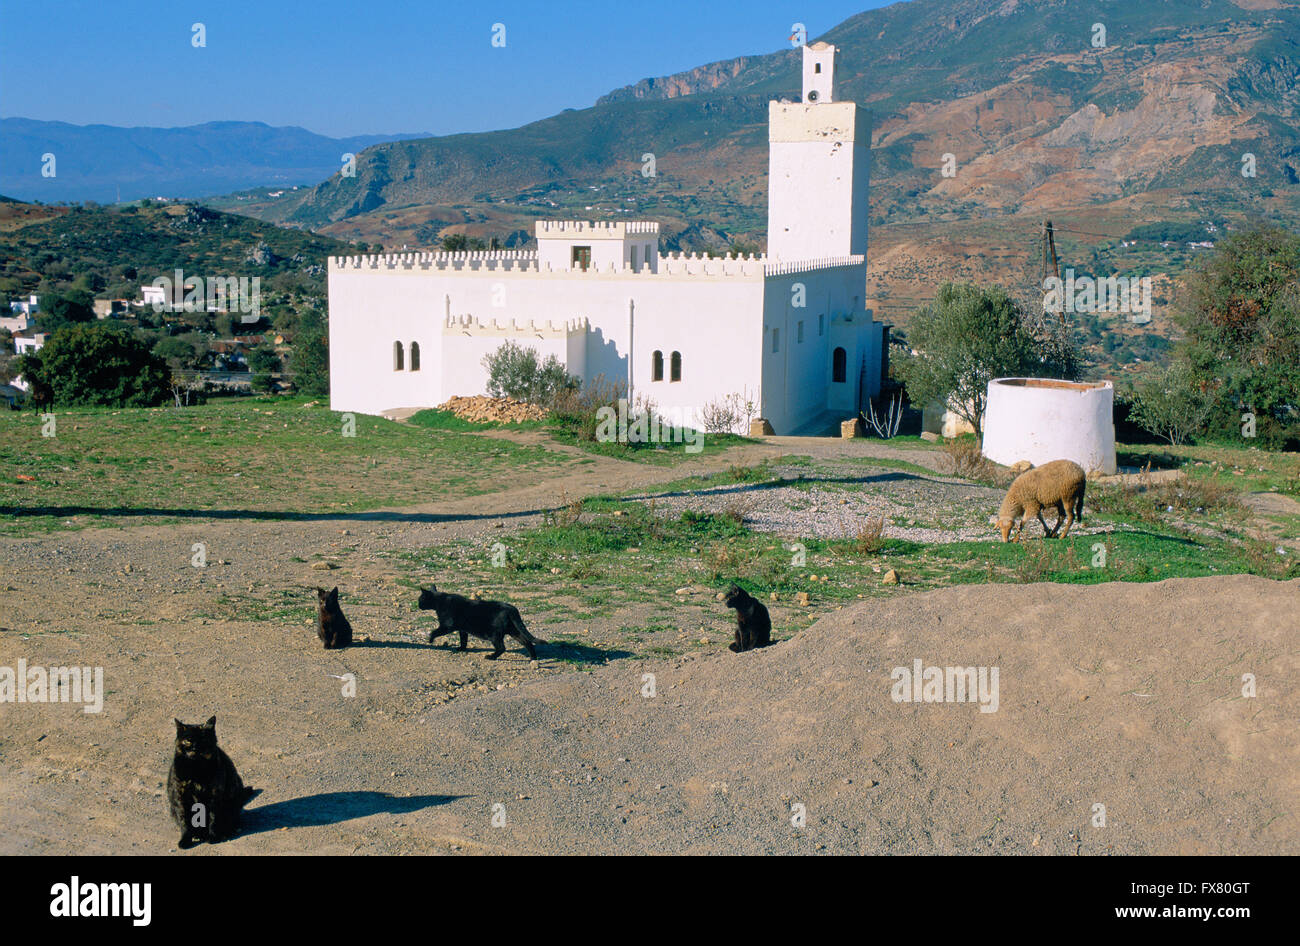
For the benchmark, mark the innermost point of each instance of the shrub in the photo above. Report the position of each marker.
(520, 373)
(970, 463)
(1166, 403)
(575, 409)
(870, 537)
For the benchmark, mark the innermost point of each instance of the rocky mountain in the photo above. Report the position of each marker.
(1042, 104)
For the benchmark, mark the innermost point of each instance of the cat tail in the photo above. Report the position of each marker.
(524, 633)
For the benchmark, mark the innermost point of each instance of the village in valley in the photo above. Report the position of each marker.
(869, 494)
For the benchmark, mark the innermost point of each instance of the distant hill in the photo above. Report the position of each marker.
(112, 251)
(94, 161)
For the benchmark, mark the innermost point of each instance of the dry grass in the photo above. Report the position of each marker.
(969, 463)
(870, 536)
(738, 509)
(1147, 500)
(569, 512)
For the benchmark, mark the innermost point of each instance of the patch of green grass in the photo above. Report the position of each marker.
(255, 458)
(436, 419)
(659, 454)
(1244, 468)
(617, 557)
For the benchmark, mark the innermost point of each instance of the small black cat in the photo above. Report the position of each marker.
(204, 792)
(486, 620)
(331, 626)
(753, 624)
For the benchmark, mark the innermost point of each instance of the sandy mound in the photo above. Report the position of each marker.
(499, 410)
(1122, 695)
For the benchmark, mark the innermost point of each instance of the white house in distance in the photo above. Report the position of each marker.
(788, 329)
(27, 344)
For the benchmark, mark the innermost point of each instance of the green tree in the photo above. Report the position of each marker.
(175, 351)
(964, 339)
(96, 364)
(1241, 318)
(58, 311)
(263, 362)
(310, 361)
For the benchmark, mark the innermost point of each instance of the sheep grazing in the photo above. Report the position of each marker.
(1059, 483)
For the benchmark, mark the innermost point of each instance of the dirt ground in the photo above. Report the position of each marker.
(1127, 696)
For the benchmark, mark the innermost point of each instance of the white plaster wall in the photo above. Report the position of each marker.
(463, 372)
(714, 321)
(1041, 424)
(822, 82)
(368, 312)
(818, 180)
(797, 383)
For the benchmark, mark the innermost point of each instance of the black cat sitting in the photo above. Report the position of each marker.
(753, 624)
(204, 792)
(331, 626)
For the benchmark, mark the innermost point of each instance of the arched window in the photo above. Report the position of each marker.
(415, 356)
(675, 367)
(657, 366)
(839, 365)
(635, 267)
(397, 356)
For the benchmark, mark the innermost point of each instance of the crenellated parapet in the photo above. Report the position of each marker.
(594, 229)
(469, 261)
(789, 267)
(513, 328)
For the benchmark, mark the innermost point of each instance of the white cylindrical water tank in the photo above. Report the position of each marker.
(1041, 419)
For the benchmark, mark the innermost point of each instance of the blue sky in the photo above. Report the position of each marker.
(343, 67)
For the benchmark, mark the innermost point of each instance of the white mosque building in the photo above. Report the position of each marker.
(788, 329)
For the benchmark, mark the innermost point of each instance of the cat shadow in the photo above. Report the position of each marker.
(581, 653)
(401, 645)
(328, 808)
(551, 650)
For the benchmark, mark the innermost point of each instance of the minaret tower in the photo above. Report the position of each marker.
(818, 168)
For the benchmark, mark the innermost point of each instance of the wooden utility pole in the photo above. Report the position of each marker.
(1051, 265)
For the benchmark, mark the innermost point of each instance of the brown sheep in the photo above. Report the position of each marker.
(1059, 483)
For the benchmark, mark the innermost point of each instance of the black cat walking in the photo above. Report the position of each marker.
(487, 620)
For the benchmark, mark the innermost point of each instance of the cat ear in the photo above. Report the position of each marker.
(180, 727)
(211, 723)
(335, 592)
